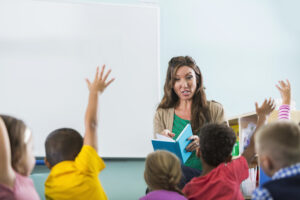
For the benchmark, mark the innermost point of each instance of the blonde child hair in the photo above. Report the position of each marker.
(280, 141)
(163, 171)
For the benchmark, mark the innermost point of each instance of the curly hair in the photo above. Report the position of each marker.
(216, 143)
(163, 171)
(200, 111)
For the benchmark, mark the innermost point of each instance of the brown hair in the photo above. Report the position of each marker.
(163, 171)
(280, 141)
(200, 112)
(15, 129)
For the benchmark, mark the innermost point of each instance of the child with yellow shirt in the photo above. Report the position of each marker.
(73, 160)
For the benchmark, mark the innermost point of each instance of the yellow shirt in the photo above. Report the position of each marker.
(76, 179)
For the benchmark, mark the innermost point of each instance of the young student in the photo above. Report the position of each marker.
(278, 147)
(74, 161)
(221, 176)
(16, 160)
(162, 175)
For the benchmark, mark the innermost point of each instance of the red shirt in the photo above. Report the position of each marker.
(223, 182)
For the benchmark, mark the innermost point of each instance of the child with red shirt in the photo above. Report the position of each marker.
(221, 176)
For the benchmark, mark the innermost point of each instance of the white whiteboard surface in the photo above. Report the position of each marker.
(48, 48)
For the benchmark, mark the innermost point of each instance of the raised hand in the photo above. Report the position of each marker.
(285, 91)
(100, 84)
(91, 120)
(264, 110)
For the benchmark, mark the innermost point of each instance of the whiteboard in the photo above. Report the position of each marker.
(48, 48)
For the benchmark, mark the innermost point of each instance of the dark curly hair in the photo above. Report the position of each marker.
(216, 143)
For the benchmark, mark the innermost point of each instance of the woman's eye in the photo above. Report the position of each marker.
(176, 79)
(189, 77)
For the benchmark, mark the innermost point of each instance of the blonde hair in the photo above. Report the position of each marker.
(280, 141)
(163, 171)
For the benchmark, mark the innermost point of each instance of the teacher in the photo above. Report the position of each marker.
(184, 102)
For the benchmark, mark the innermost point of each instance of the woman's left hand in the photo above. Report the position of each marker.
(194, 144)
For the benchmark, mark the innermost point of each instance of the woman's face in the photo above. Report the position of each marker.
(185, 83)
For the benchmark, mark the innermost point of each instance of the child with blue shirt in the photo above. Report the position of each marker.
(278, 148)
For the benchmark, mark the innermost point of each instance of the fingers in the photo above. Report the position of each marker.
(168, 133)
(106, 75)
(102, 71)
(109, 82)
(192, 146)
(88, 83)
(96, 75)
(171, 135)
(288, 83)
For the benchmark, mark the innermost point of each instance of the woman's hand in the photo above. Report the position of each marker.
(167, 133)
(194, 144)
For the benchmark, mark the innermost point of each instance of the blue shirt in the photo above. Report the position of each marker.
(263, 194)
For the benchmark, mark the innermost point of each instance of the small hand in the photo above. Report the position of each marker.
(265, 109)
(285, 91)
(194, 144)
(167, 133)
(99, 84)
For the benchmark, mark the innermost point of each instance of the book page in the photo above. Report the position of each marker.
(163, 138)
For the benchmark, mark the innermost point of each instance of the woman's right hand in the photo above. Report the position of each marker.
(167, 133)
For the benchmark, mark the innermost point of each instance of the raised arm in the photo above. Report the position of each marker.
(96, 88)
(6, 172)
(262, 112)
(285, 92)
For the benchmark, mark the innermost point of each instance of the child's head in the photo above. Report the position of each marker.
(61, 145)
(278, 146)
(21, 145)
(162, 171)
(216, 143)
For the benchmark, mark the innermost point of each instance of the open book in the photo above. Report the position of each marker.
(175, 146)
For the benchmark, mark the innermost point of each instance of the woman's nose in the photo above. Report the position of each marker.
(184, 83)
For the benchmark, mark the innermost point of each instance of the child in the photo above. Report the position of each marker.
(74, 161)
(221, 176)
(278, 147)
(16, 160)
(162, 175)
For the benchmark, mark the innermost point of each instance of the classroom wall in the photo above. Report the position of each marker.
(242, 47)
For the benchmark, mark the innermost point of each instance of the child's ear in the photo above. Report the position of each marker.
(198, 152)
(228, 159)
(267, 165)
(47, 163)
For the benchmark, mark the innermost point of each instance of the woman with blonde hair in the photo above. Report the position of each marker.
(162, 175)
